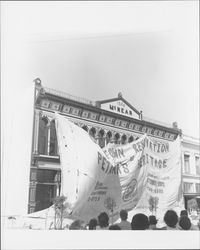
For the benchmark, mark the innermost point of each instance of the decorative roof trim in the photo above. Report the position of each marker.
(119, 98)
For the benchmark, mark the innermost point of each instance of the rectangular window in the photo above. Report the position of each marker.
(186, 164)
(32, 194)
(197, 164)
(32, 210)
(46, 176)
(58, 177)
(187, 187)
(197, 188)
(33, 175)
(42, 145)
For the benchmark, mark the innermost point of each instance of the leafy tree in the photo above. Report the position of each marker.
(60, 207)
(153, 204)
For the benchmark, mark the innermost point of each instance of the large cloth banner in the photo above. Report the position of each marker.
(144, 175)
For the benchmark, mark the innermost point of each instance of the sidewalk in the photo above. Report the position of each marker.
(83, 239)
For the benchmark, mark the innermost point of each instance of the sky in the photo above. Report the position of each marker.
(148, 51)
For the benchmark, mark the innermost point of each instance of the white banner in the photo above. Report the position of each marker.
(144, 174)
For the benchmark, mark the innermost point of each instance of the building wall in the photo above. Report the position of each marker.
(101, 125)
(191, 168)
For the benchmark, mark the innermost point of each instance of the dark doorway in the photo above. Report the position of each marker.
(45, 194)
(45, 185)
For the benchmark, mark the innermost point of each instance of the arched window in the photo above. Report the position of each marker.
(47, 141)
(123, 139)
(85, 128)
(108, 137)
(101, 138)
(130, 139)
(116, 138)
(43, 136)
(92, 132)
(53, 139)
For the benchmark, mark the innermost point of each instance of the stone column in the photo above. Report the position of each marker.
(36, 131)
(49, 134)
(97, 136)
(48, 139)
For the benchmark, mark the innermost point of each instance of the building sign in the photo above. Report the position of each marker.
(121, 108)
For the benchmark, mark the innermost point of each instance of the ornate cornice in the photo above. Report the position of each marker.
(88, 112)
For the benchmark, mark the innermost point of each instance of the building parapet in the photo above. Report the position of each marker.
(191, 140)
(93, 103)
(69, 96)
(147, 119)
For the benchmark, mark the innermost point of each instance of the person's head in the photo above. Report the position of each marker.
(103, 219)
(185, 222)
(183, 212)
(171, 218)
(123, 215)
(139, 222)
(76, 225)
(152, 220)
(114, 227)
(92, 224)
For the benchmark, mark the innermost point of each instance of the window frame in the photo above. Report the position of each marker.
(187, 171)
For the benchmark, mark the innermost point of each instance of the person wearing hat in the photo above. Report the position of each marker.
(152, 222)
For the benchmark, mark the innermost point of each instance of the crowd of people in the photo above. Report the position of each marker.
(139, 222)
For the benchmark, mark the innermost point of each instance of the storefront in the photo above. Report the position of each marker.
(189, 197)
(191, 169)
